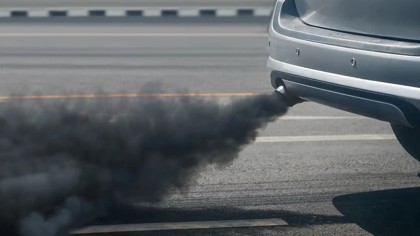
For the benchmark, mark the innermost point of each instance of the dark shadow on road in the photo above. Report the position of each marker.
(130, 215)
(389, 212)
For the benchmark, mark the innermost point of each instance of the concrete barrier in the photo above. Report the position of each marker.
(136, 12)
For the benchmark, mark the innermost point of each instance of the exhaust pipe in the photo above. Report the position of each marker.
(290, 100)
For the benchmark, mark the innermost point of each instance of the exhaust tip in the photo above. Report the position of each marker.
(291, 100)
(281, 89)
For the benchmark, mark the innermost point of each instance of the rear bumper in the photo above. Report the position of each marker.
(315, 86)
(368, 76)
(406, 93)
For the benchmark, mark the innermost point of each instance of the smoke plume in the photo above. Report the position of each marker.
(62, 161)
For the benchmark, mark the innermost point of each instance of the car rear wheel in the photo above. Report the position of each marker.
(409, 139)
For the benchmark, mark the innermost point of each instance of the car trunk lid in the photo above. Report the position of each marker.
(381, 18)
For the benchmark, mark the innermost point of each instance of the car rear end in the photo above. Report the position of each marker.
(359, 56)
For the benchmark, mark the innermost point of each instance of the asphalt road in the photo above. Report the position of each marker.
(323, 176)
(136, 3)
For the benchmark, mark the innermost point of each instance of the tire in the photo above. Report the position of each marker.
(409, 139)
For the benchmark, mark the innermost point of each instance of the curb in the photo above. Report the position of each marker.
(135, 12)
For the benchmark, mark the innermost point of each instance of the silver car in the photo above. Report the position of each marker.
(356, 55)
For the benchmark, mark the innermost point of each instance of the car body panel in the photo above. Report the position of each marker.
(286, 21)
(385, 18)
(379, 79)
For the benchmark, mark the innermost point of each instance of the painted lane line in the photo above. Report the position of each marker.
(38, 13)
(263, 12)
(153, 13)
(78, 13)
(4, 14)
(181, 226)
(323, 138)
(116, 35)
(189, 13)
(226, 12)
(116, 13)
(124, 95)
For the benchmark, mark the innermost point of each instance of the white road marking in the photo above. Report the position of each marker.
(116, 35)
(115, 13)
(78, 13)
(189, 12)
(323, 118)
(322, 138)
(226, 12)
(180, 226)
(152, 13)
(4, 13)
(38, 13)
(263, 12)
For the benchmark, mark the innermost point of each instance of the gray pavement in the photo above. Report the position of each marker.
(134, 3)
(357, 187)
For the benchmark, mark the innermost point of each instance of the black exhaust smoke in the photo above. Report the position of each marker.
(60, 163)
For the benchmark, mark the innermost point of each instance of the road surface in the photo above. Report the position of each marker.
(318, 171)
